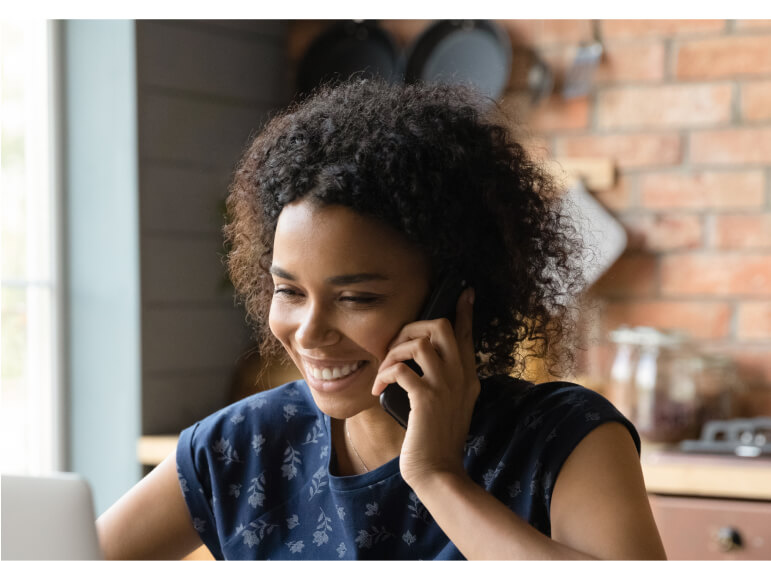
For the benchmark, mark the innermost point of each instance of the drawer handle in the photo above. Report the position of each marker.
(729, 539)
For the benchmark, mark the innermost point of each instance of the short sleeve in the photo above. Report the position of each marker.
(193, 470)
(569, 412)
(230, 464)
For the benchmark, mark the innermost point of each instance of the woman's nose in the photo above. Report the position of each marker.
(315, 329)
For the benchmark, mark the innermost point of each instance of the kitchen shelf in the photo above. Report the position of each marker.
(707, 475)
(152, 450)
(666, 472)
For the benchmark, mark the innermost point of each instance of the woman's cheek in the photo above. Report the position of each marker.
(376, 334)
(277, 321)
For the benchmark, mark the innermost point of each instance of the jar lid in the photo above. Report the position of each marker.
(646, 336)
(624, 336)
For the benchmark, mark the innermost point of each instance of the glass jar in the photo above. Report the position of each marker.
(667, 402)
(621, 385)
(718, 387)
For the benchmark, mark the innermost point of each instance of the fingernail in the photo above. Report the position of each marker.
(471, 296)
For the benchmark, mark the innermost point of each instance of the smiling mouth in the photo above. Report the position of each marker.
(333, 373)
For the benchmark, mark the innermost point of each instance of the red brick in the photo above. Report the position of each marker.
(625, 61)
(743, 231)
(716, 274)
(659, 27)
(622, 61)
(558, 114)
(724, 56)
(703, 320)
(627, 150)
(705, 190)
(631, 275)
(664, 106)
(542, 32)
(754, 320)
(753, 24)
(667, 232)
(756, 101)
(732, 146)
(553, 114)
(619, 197)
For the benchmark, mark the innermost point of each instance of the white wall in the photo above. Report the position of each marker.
(102, 254)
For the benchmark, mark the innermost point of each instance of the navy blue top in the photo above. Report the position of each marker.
(258, 475)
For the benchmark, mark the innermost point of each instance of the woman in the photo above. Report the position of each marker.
(347, 211)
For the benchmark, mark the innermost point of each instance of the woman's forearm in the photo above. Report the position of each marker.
(481, 526)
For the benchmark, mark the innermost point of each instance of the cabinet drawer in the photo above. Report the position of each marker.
(698, 528)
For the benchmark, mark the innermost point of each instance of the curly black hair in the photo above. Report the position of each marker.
(430, 161)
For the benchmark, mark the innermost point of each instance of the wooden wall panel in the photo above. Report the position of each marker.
(204, 88)
(223, 63)
(188, 338)
(184, 271)
(182, 199)
(182, 397)
(195, 131)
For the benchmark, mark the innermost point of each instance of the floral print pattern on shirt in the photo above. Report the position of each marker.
(258, 476)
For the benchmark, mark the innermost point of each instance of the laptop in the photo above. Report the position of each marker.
(49, 517)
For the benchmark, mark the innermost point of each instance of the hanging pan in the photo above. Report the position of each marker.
(471, 52)
(346, 48)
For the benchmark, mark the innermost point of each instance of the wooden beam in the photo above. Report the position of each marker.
(598, 174)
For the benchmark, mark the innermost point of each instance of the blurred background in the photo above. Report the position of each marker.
(119, 139)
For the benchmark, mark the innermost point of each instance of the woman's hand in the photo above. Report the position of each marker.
(442, 400)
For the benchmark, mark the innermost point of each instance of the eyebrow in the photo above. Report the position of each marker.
(338, 280)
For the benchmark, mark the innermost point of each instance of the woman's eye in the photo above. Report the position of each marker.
(286, 292)
(360, 299)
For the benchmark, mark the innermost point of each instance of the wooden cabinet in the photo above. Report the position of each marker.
(701, 528)
(710, 507)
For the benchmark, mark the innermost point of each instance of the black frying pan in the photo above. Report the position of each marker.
(476, 52)
(346, 48)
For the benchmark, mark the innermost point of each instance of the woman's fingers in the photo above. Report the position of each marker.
(451, 343)
(439, 331)
(421, 350)
(445, 353)
(398, 373)
(464, 320)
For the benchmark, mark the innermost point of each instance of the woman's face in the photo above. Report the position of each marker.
(344, 285)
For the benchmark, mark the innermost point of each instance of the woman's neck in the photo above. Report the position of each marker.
(366, 441)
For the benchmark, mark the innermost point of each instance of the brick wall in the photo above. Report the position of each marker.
(683, 107)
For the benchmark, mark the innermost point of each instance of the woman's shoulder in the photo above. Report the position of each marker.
(288, 410)
(518, 395)
(547, 410)
(250, 457)
(240, 440)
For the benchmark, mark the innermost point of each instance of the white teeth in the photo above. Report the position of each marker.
(332, 373)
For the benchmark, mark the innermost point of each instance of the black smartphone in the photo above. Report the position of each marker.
(441, 304)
